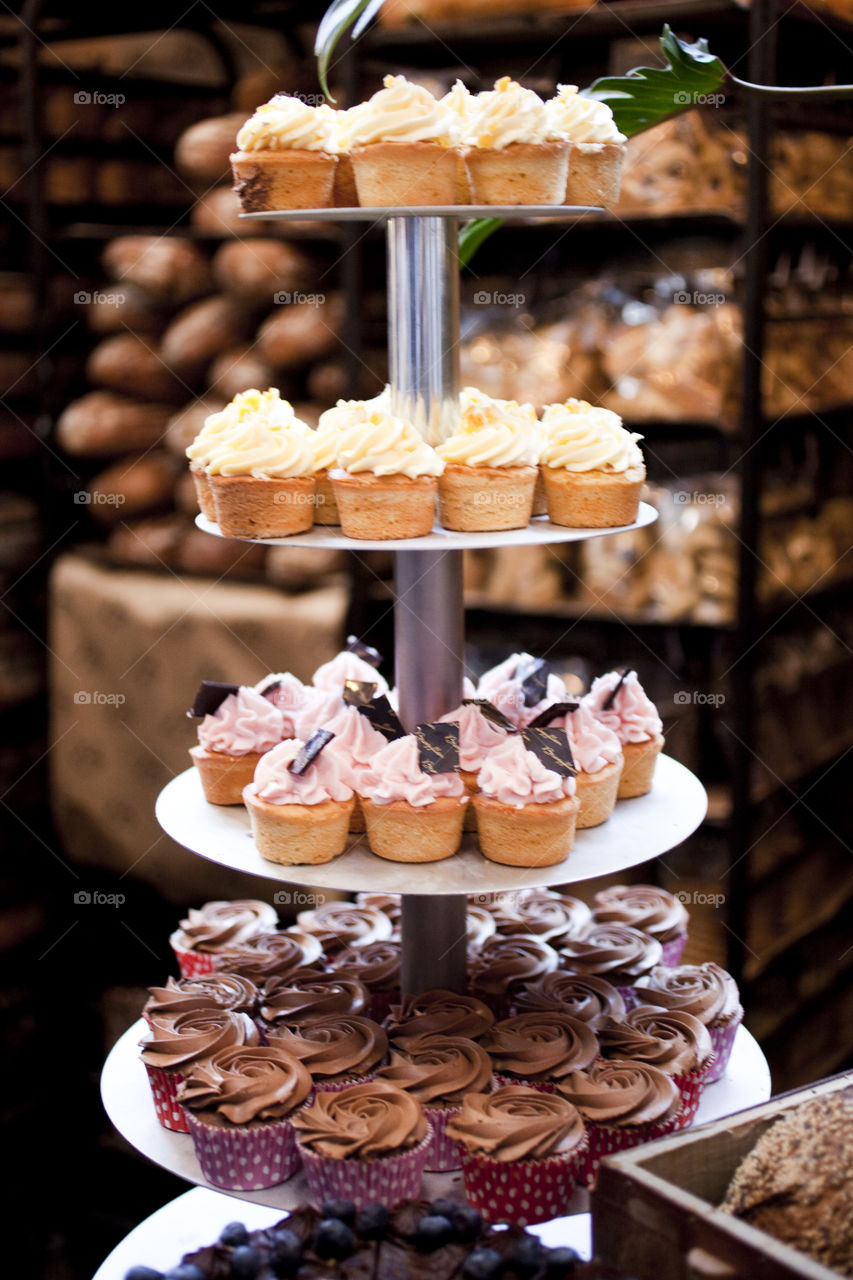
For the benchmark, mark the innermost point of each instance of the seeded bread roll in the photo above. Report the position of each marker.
(258, 271)
(202, 151)
(132, 487)
(239, 368)
(170, 270)
(300, 332)
(133, 366)
(116, 308)
(201, 332)
(101, 423)
(217, 213)
(183, 426)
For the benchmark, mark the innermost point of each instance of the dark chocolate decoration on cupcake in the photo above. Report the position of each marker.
(491, 713)
(358, 693)
(383, 717)
(611, 697)
(533, 677)
(551, 746)
(310, 751)
(210, 697)
(555, 710)
(363, 651)
(438, 747)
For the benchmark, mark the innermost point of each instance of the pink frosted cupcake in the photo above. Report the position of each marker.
(232, 740)
(377, 965)
(337, 1051)
(348, 665)
(227, 991)
(522, 1152)
(238, 1104)
(706, 991)
(339, 925)
(616, 952)
(477, 736)
(174, 1044)
(270, 957)
(544, 912)
(539, 1049)
(410, 815)
(357, 739)
(438, 1071)
(216, 927)
(676, 1042)
(300, 814)
(649, 909)
(582, 996)
(618, 701)
(504, 964)
(437, 1013)
(368, 1143)
(521, 687)
(299, 1001)
(526, 811)
(597, 753)
(288, 695)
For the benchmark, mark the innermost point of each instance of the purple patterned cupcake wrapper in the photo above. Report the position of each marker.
(247, 1158)
(522, 1191)
(443, 1155)
(722, 1041)
(690, 1086)
(164, 1090)
(672, 951)
(386, 1181)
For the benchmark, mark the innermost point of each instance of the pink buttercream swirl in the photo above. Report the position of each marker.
(345, 666)
(513, 775)
(356, 740)
(324, 779)
(244, 723)
(503, 689)
(320, 706)
(632, 717)
(477, 736)
(396, 774)
(593, 744)
(288, 693)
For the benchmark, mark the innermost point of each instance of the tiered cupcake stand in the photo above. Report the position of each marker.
(423, 306)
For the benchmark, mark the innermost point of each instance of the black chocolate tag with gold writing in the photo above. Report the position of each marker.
(438, 747)
(363, 651)
(551, 746)
(611, 697)
(491, 713)
(358, 693)
(310, 751)
(534, 681)
(555, 710)
(383, 717)
(210, 697)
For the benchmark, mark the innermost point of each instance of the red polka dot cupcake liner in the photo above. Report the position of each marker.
(606, 1142)
(544, 1086)
(244, 1158)
(690, 1086)
(386, 1180)
(673, 951)
(443, 1155)
(192, 963)
(164, 1090)
(522, 1191)
(722, 1041)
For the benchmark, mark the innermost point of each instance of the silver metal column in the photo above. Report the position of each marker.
(429, 628)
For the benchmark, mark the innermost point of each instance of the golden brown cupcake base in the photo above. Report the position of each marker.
(382, 507)
(299, 834)
(404, 173)
(540, 500)
(203, 492)
(252, 507)
(596, 793)
(595, 173)
(269, 180)
(593, 499)
(223, 777)
(638, 770)
(536, 835)
(325, 506)
(522, 173)
(485, 499)
(403, 832)
(469, 778)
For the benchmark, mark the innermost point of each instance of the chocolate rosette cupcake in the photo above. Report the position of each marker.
(176, 1042)
(227, 991)
(388, 903)
(237, 1104)
(479, 925)
(377, 965)
(337, 1051)
(434, 1013)
(298, 1001)
(271, 956)
(675, 1041)
(537, 1049)
(339, 925)
(506, 962)
(542, 912)
(649, 909)
(616, 952)
(706, 991)
(521, 1152)
(210, 929)
(582, 996)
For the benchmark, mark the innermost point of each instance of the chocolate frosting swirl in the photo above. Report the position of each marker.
(311, 999)
(622, 1093)
(206, 991)
(675, 1041)
(377, 965)
(517, 1123)
(644, 907)
(582, 996)
(388, 903)
(247, 1083)
(363, 1122)
(437, 1013)
(224, 924)
(541, 1046)
(479, 925)
(182, 1038)
(439, 1069)
(543, 913)
(616, 951)
(334, 1046)
(271, 955)
(339, 925)
(705, 990)
(505, 961)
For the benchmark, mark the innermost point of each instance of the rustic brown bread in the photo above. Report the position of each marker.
(300, 332)
(148, 544)
(183, 426)
(238, 369)
(200, 332)
(132, 487)
(132, 365)
(217, 213)
(257, 271)
(171, 270)
(101, 423)
(199, 553)
(115, 309)
(202, 151)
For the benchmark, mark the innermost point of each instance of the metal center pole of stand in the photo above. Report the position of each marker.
(429, 628)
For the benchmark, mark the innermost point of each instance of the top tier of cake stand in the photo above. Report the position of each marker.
(555, 212)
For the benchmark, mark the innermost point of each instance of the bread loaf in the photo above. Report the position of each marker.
(112, 309)
(217, 213)
(238, 369)
(183, 426)
(101, 423)
(300, 332)
(200, 332)
(132, 365)
(202, 151)
(148, 544)
(259, 270)
(199, 553)
(172, 271)
(131, 487)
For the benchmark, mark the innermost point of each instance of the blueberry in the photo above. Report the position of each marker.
(334, 1239)
(285, 1252)
(444, 1207)
(234, 1233)
(467, 1222)
(143, 1273)
(185, 1271)
(245, 1262)
(561, 1262)
(526, 1257)
(372, 1221)
(432, 1232)
(483, 1264)
(343, 1210)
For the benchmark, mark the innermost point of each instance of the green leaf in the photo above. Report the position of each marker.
(336, 21)
(645, 96)
(473, 234)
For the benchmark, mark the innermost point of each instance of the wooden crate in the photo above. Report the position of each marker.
(655, 1214)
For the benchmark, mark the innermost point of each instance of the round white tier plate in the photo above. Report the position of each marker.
(562, 212)
(539, 532)
(638, 830)
(127, 1101)
(196, 1218)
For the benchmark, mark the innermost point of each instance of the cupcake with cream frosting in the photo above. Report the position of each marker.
(337, 1051)
(649, 909)
(521, 687)
(410, 815)
(326, 438)
(546, 913)
(619, 701)
(386, 479)
(403, 146)
(598, 757)
(526, 812)
(377, 966)
(596, 147)
(332, 676)
(300, 817)
(706, 991)
(229, 991)
(515, 154)
(477, 736)
(506, 963)
(207, 931)
(616, 952)
(437, 1013)
(287, 694)
(286, 157)
(540, 1048)
(675, 1041)
(297, 1001)
(589, 999)
(176, 1042)
(591, 465)
(338, 925)
(271, 957)
(459, 101)
(490, 465)
(231, 743)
